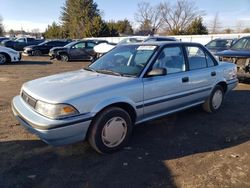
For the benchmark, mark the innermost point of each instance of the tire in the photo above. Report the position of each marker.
(214, 101)
(64, 58)
(3, 58)
(101, 134)
(37, 53)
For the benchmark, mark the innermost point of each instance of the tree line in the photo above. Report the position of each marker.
(1, 27)
(82, 18)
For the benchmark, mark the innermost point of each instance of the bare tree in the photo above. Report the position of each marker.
(148, 16)
(1, 26)
(36, 32)
(215, 24)
(239, 26)
(178, 17)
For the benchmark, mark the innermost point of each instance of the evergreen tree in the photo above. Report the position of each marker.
(81, 18)
(124, 27)
(196, 27)
(112, 26)
(53, 31)
(119, 27)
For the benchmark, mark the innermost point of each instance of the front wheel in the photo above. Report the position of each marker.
(3, 58)
(110, 130)
(214, 101)
(64, 57)
(37, 53)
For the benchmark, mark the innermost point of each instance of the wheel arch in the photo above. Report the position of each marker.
(7, 56)
(223, 84)
(129, 108)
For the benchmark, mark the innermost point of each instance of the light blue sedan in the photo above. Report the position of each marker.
(129, 85)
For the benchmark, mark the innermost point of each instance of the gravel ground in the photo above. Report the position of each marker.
(186, 149)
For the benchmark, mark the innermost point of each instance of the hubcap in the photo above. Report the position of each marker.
(114, 132)
(217, 99)
(65, 58)
(2, 59)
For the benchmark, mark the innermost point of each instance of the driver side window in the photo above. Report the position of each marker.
(172, 59)
(79, 45)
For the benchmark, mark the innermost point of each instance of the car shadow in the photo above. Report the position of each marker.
(32, 163)
(30, 63)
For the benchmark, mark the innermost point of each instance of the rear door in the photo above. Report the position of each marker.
(202, 71)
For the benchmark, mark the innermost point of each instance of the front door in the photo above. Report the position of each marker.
(166, 93)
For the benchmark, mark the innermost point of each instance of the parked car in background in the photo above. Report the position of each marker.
(20, 43)
(103, 48)
(238, 54)
(44, 48)
(8, 55)
(159, 39)
(3, 38)
(219, 44)
(129, 85)
(78, 50)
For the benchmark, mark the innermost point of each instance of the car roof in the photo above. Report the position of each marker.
(163, 43)
(223, 39)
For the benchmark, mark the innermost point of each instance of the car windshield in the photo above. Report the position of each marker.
(219, 43)
(45, 42)
(124, 60)
(129, 40)
(243, 43)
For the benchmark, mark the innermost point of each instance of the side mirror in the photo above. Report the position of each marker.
(157, 72)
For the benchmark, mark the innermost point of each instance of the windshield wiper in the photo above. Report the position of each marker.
(89, 69)
(105, 71)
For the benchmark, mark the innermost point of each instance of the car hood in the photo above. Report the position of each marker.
(234, 53)
(2, 48)
(7, 42)
(65, 86)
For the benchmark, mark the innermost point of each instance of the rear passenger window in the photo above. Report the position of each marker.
(172, 59)
(90, 45)
(196, 58)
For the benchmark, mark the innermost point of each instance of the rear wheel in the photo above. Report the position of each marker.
(3, 58)
(110, 130)
(213, 103)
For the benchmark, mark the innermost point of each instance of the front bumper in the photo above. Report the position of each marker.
(231, 84)
(27, 52)
(52, 55)
(53, 132)
(16, 57)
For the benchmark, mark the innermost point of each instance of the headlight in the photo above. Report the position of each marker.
(55, 111)
(230, 74)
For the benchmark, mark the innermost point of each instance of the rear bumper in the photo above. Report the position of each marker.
(53, 132)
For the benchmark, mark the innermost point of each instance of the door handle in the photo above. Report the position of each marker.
(185, 79)
(213, 73)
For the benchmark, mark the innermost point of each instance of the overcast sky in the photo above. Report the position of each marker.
(32, 14)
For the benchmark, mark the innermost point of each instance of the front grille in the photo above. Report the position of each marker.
(28, 99)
